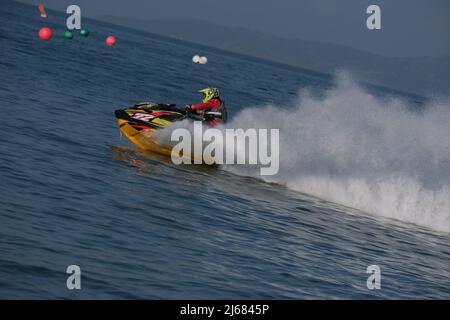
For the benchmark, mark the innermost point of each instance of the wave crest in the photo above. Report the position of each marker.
(374, 154)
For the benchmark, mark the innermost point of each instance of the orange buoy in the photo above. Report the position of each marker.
(42, 10)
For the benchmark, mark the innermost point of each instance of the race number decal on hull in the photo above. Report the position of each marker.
(143, 116)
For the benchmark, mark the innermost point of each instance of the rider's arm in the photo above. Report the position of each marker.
(215, 103)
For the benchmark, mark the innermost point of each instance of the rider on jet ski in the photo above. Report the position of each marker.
(212, 109)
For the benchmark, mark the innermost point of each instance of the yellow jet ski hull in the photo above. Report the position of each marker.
(140, 123)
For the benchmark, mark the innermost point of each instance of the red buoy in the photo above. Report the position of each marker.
(45, 33)
(111, 40)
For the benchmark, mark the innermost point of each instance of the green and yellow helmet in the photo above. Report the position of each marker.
(209, 94)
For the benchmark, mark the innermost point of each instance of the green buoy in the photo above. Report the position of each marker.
(84, 32)
(68, 34)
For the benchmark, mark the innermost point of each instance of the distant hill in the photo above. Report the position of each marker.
(425, 75)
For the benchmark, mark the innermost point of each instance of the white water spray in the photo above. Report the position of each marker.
(371, 154)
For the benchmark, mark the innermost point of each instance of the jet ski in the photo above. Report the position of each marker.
(140, 122)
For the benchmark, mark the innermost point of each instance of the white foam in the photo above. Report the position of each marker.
(373, 154)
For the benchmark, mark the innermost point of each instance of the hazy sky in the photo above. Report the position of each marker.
(409, 27)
